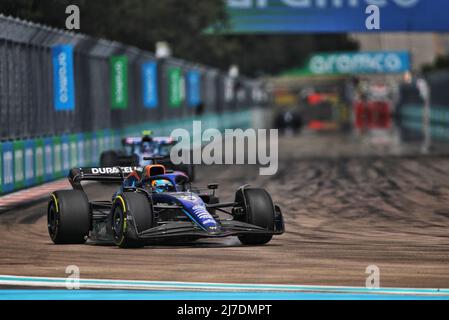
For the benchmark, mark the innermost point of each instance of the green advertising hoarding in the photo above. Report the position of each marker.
(73, 150)
(58, 159)
(174, 87)
(119, 82)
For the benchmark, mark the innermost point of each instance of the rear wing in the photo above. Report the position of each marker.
(106, 174)
(138, 140)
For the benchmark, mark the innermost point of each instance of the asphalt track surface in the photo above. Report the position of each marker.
(345, 207)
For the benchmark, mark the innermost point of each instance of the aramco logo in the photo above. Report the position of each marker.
(63, 78)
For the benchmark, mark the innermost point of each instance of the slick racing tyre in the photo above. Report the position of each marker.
(137, 206)
(109, 159)
(68, 217)
(258, 210)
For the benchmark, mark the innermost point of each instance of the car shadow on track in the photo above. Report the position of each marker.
(231, 242)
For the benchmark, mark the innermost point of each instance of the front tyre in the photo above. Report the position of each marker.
(68, 217)
(258, 210)
(125, 230)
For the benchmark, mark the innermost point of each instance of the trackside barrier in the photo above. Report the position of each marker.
(411, 108)
(30, 176)
(53, 82)
(65, 98)
(8, 167)
(412, 121)
(1, 169)
(19, 176)
(39, 163)
(27, 163)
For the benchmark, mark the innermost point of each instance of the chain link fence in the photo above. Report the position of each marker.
(26, 85)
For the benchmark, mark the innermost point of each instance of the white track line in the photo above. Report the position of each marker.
(6, 280)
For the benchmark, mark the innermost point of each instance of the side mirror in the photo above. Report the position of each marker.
(212, 186)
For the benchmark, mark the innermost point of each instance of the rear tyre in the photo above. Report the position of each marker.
(68, 217)
(109, 159)
(258, 210)
(137, 206)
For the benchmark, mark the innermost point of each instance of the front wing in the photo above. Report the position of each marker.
(187, 229)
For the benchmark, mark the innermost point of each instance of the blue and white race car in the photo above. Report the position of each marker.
(136, 149)
(153, 205)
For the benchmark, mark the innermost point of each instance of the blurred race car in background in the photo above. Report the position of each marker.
(135, 149)
(153, 205)
(322, 111)
(374, 108)
(288, 120)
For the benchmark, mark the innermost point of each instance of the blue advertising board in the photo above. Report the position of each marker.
(250, 16)
(63, 78)
(8, 166)
(194, 88)
(149, 81)
(30, 176)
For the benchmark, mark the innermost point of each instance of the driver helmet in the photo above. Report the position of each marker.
(147, 145)
(161, 185)
(147, 138)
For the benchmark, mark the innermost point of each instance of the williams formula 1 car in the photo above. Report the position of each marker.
(152, 205)
(135, 149)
